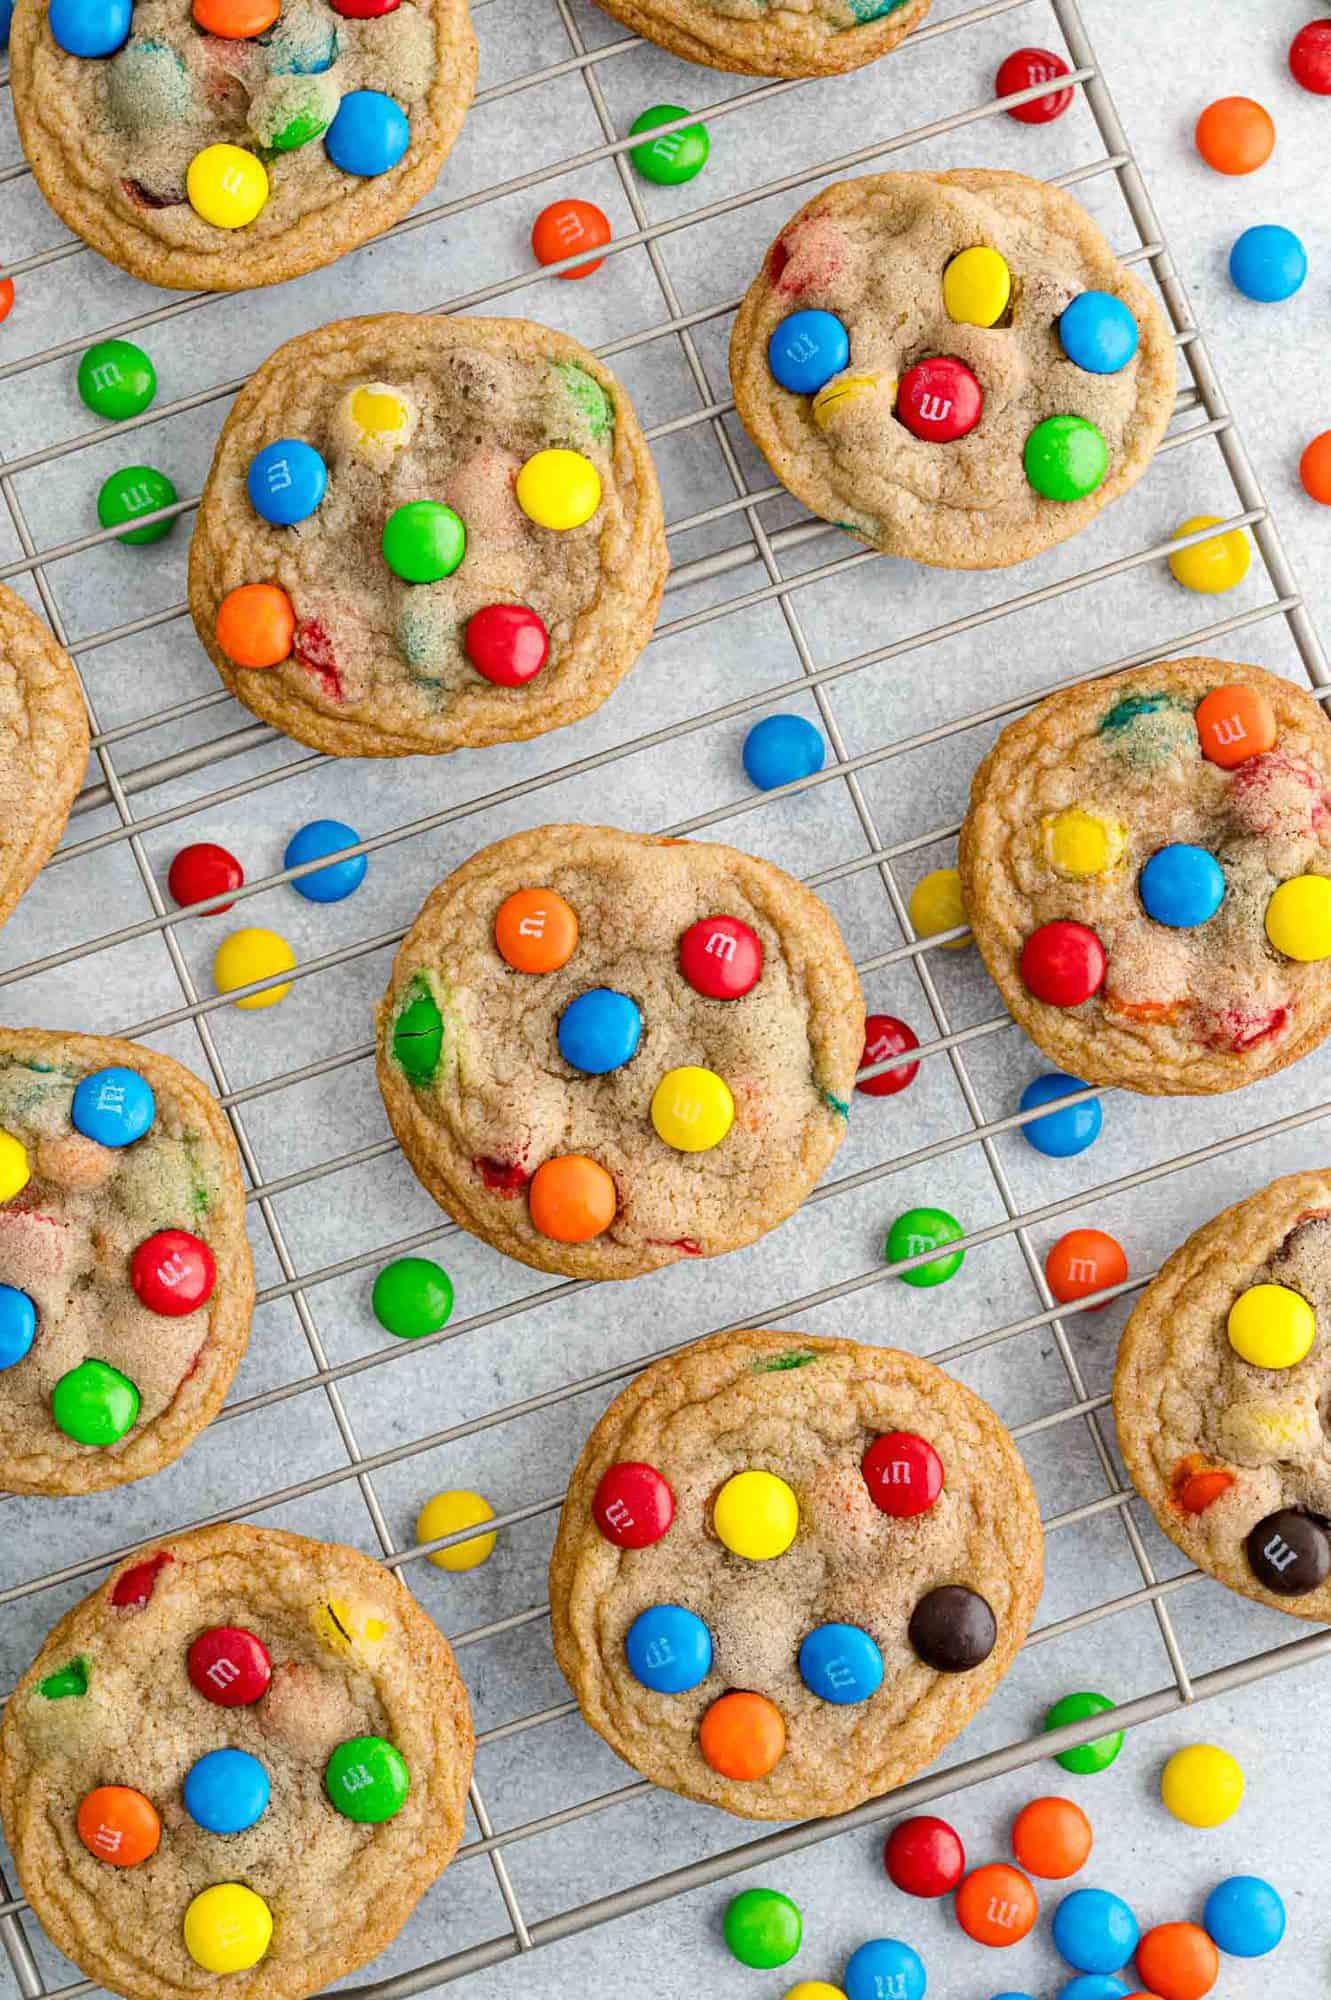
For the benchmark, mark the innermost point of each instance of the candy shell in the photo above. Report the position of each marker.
(572, 1198)
(742, 1736)
(1245, 1915)
(1051, 1837)
(1022, 70)
(781, 749)
(762, 1928)
(226, 186)
(1235, 135)
(116, 380)
(1202, 1785)
(558, 489)
(203, 870)
(341, 878)
(367, 1780)
(369, 135)
(1268, 263)
(444, 1514)
(806, 350)
(1096, 1755)
(884, 1966)
(248, 955)
(997, 1906)
(1214, 565)
(674, 158)
(668, 1649)
(924, 1856)
(118, 1825)
(227, 1928)
(566, 227)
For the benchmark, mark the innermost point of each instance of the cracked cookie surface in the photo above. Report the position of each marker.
(43, 745)
(760, 38)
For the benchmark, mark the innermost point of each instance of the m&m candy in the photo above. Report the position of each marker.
(997, 1906)
(1084, 1261)
(1060, 1135)
(173, 1273)
(536, 930)
(675, 157)
(953, 1629)
(903, 1473)
(423, 541)
(6, 287)
(835, 397)
(669, 1649)
(1022, 70)
(1095, 1931)
(369, 134)
(1268, 263)
(692, 1109)
(89, 27)
(367, 1779)
(133, 1588)
(884, 1037)
(235, 20)
(936, 905)
(1087, 1758)
(566, 227)
(229, 1666)
(116, 379)
(412, 1296)
(248, 955)
(113, 1106)
(118, 1825)
(558, 489)
(18, 1325)
(286, 481)
(1289, 1552)
(445, 1514)
(1066, 458)
(1098, 333)
(1217, 564)
(67, 1683)
(14, 1168)
(1051, 1837)
(572, 1198)
(203, 870)
(815, 1989)
(841, 1664)
(599, 1031)
(1178, 1961)
(1202, 1785)
(1063, 963)
(226, 186)
(762, 1928)
(1235, 135)
(742, 1736)
(1233, 724)
(807, 349)
(1298, 918)
(256, 625)
(507, 643)
(136, 490)
(226, 1791)
(1315, 469)
(1080, 845)
(1094, 1986)
(94, 1404)
(721, 958)
(884, 1965)
(977, 285)
(781, 749)
(756, 1515)
(317, 838)
(924, 1856)
(921, 1229)
(1271, 1326)
(1310, 56)
(633, 1505)
(227, 1928)
(1181, 886)
(1245, 1915)
(939, 400)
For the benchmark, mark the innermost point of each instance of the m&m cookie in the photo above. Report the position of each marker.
(603, 1051)
(1146, 867)
(43, 747)
(764, 1622)
(421, 534)
(236, 1766)
(953, 367)
(237, 142)
(821, 39)
(125, 1277)
(1220, 1396)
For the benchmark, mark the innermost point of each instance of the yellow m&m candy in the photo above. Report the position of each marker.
(1211, 566)
(756, 1515)
(1080, 844)
(815, 1989)
(835, 397)
(559, 489)
(226, 186)
(375, 421)
(249, 955)
(1271, 1326)
(976, 287)
(14, 1169)
(936, 905)
(444, 1515)
(343, 1626)
(1202, 1785)
(692, 1109)
(1298, 918)
(228, 1928)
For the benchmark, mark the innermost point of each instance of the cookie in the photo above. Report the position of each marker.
(424, 534)
(789, 1571)
(245, 1754)
(125, 1278)
(1220, 1394)
(755, 38)
(1145, 867)
(237, 142)
(43, 745)
(953, 367)
(602, 1051)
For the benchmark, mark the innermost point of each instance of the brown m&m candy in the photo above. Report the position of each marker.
(953, 1629)
(1289, 1552)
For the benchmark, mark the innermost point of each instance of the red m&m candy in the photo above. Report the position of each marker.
(363, 10)
(132, 1589)
(1310, 57)
(633, 1505)
(507, 643)
(924, 1856)
(567, 227)
(1063, 963)
(939, 400)
(204, 870)
(721, 958)
(229, 1666)
(1022, 70)
(903, 1473)
(885, 1036)
(173, 1272)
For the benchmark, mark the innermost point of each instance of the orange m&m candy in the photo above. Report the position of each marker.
(567, 227)
(1314, 468)
(1178, 1961)
(7, 298)
(1197, 1486)
(1233, 724)
(1083, 1261)
(742, 1736)
(256, 625)
(996, 1905)
(1051, 1837)
(536, 930)
(118, 1825)
(1235, 135)
(572, 1198)
(237, 20)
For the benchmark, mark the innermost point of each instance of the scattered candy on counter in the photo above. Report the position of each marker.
(6, 298)
(885, 1036)
(1310, 57)
(1202, 1785)
(884, 1965)
(1051, 1838)
(1214, 565)
(1084, 1261)
(921, 1229)
(936, 905)
(412, 1297)
(924, 1856)
(203, 870)
(1178, 1961)
(1268, 263)
(6, 17)
(1235, 135)
(1315, 469)
(444, 1514)
(1094, 1986)
(815, 1989)
(341, 878)
(1022, 70)
(997, 1906)
(1060, 1135)
(566, 227)
(1095, 1931)
(1087, 1758)
(1245, 1915)
(674, 158)
(248, 955)
(135, 490)
(116, 380)
(763, 1928)
(781, 749)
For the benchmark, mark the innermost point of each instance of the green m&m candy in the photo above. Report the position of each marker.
(71, 1679)
(367, 1779)
(412, 1296)
(287, 111)
(94, 1403)
(418, 1033)
(1066, 458)
(921, 1229)
(674, 158)
(135, 490)
(423, 541)
(117, 380)
(763, 1928)
(1096, 1755)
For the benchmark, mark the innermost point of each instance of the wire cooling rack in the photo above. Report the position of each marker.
(765, 607)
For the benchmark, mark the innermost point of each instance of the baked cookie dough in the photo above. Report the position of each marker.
(789, 1571)
(215, 160)
(1221, 1391)
(904, 362)
(125, 1278)
(1146, 866)
(43, 745)
(762, 38)
(425, 534)
(603, 1051)
(235, 1768)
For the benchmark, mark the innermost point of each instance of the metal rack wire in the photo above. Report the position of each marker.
(781, 586)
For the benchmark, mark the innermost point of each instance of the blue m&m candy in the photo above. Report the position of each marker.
(286, 481)
(226, 1791)
(6, 17)
(807, 350)
(113, 1106)
(1098, 333)
(1061, 1133)
(669, 1649)
(1268, 263)
(780, 749)
(599, 1031)
(340, 878)
(1095, 1931)
(369, 134)
(1244, 1916)
(1095, 1986)
(1181, 886)
(18, 1324)
(840, 1663)
(90, 27)
(884, 1966)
